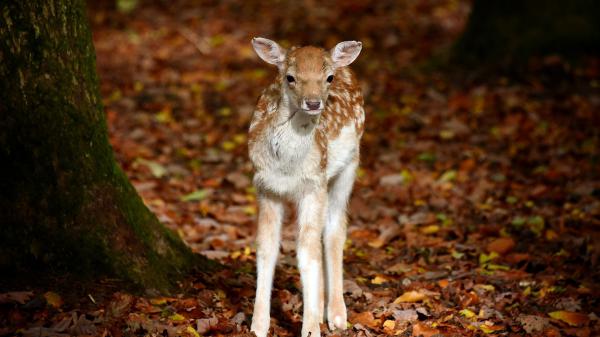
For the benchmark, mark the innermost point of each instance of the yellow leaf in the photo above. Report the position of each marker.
(467, 313)
(551, 235)
(431, 229)
(377, 243)
(571, 318)
(164, 116)
(486, 287)
(446, 134)
(192, 331)
(239, 138)
(250, 210)
(176, 318)
(228, 145)
(490, 328)
(420, 202)
(159, 301)
(389, 325)
(378, 280)
(485, 258)
(53, 299)
(410, 297)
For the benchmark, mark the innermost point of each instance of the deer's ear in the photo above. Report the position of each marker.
(345, 53)
(269, 51)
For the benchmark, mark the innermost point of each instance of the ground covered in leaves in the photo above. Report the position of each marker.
(477, 207)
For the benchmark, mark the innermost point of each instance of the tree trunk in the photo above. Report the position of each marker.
(65, 205)
(510, 31)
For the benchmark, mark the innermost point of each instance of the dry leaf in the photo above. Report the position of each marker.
(389, 326)
(410, 297)
(420, 329)
(501, 245)
(571, 318)
(16, 296)
(53, 299)
(378, 280)
(532, 323)
(365, 318)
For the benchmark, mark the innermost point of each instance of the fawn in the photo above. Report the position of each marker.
(304, 144)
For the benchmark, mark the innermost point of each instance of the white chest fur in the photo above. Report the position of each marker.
(286, 157)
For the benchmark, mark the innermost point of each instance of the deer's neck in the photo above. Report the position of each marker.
(293, 131)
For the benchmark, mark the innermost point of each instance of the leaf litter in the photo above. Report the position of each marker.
(475, 211)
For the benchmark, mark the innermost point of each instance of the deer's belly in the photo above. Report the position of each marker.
(289, 173)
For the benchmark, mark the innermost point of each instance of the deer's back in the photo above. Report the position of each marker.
(342, 123)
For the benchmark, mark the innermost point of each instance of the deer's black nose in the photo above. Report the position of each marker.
(313, 105)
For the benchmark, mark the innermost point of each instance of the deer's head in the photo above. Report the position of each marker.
(306, 73)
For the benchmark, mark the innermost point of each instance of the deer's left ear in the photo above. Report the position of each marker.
(345, 53)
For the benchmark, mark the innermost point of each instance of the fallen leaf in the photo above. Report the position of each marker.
(431, 229)
(53, 299)
(196, 195)
(408, 315)
(239, 180)
(378, 280)
(176, 317)
(485, 258)
(571, 318)
(501, 245)
(490, 328)
(389, 325)
(410, 297)
(467, 313)
(365, 318)
(532, 323)
(204, 325)
(157, 169)
(420, 329)
(352, 288)
(16, 296)
(192, 331)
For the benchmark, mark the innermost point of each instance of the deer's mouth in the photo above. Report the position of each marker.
(312, 112)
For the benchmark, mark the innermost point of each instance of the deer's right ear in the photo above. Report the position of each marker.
(269, 51)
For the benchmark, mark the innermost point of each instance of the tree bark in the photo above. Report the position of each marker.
(65, 205)
(510, 31)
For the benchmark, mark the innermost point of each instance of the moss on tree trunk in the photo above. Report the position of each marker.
(65, 205)
(508, 32)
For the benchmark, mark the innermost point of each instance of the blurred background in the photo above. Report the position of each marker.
(180, 80)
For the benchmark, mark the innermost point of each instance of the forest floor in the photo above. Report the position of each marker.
(477, 205)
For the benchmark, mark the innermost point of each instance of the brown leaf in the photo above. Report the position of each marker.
(365, 318)
(16, 296)
(420, 329)
(410, 297)
(53, 299)
(532, 323)
(501, 245)
(571, 318)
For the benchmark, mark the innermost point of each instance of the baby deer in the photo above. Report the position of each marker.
(304, 144)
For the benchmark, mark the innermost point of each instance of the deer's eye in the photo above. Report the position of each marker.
(290, 79)
(329, 78)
